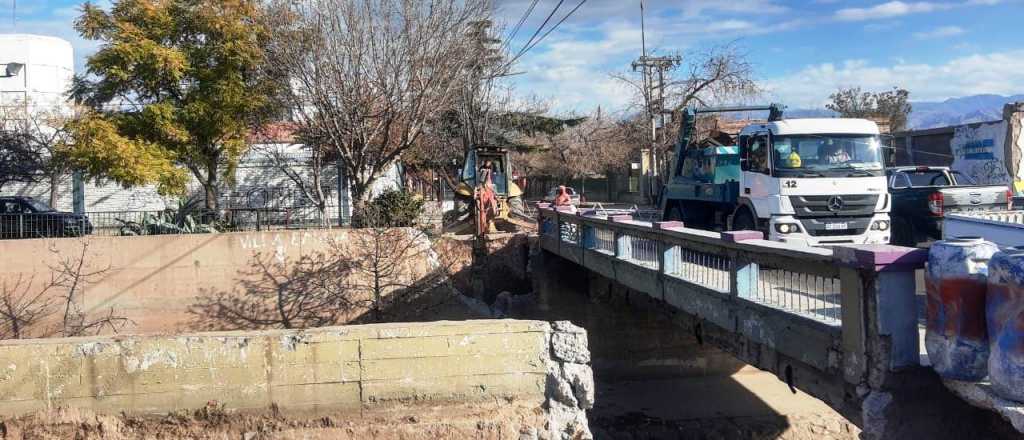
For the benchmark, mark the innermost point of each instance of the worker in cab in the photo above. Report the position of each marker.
(788, 156)
(793, 160)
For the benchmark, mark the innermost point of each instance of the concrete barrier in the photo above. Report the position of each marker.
(531, 364)
(153, 280)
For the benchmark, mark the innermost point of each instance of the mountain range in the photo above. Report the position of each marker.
(930, 114)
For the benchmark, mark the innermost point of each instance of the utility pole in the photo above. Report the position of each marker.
(653, 74)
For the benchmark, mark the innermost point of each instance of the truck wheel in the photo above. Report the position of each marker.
(744, 221)
(903, 233)
(674, 213)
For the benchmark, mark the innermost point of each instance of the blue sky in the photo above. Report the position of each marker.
(801, 51)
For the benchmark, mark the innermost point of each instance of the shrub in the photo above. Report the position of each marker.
(392, 208)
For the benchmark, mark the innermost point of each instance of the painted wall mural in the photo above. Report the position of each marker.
(978, 151)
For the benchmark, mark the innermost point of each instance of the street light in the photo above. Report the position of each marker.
(13, 69)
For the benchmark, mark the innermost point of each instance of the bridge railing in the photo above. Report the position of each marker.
(831, 309)
(802, 281)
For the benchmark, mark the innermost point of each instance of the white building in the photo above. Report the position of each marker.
(37, 71)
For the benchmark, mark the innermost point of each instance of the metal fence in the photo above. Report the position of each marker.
(133, 223)
(42, 225)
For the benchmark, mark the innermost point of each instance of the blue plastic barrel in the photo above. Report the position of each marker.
(956, 335)
(1005, 316)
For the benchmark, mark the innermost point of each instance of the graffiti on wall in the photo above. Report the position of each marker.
(978, 152)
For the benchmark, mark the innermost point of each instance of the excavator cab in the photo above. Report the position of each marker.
(487, 191)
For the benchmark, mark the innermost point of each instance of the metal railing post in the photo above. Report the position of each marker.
(877, 293)
(623, 249)
(668, 254)
(744, 274)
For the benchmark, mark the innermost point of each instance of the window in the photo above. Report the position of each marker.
(37, 206)
(757, 158)
(827, 155)
(962, 179)
(10, 207)
(899, 180)
(928, 178)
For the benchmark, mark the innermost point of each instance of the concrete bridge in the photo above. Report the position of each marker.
(840, 324)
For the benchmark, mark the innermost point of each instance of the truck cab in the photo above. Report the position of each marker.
(803, 181)
(814, 181)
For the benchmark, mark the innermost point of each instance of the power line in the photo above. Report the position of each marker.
(557, 24)
(537, 32)
(519, 25)
(527, 49)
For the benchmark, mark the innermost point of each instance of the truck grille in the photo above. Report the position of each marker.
(845, 205)
(819, 227)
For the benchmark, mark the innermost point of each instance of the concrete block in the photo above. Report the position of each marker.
(315, 373)
(570, 347)
(528, 386)
(445, 328)
(454, 345)
(449, 366)
(333, 395)
(738, 236)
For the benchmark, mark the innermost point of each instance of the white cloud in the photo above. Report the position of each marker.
(888, 10)
(940, 32)
(998, 72)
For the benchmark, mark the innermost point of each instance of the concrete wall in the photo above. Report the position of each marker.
(154, 280)
(538, 366)
(990, 152)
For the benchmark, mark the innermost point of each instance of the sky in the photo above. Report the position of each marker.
(801, 51)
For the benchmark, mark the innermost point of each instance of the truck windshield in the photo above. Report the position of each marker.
(813, 155)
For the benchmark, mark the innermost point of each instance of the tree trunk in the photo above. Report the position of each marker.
(360, 193)
(54, 188)
(210, 186)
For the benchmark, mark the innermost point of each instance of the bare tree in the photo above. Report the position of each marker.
(28, 308)
(275, 293)
(29, 138)
(71, 278)
(22, 306)
(20, 159)
(717, 74)
(302, 164)
(367, 76)
(381, 257)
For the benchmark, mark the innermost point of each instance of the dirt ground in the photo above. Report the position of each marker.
(484, 421)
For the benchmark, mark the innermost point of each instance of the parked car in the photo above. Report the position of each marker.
(922, 196)
(574, 196)
(26, 217)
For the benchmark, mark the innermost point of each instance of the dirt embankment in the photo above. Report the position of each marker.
(489, 421)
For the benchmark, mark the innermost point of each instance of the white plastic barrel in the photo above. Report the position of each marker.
(956, 336)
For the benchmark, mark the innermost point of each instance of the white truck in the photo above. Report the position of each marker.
(803, 181)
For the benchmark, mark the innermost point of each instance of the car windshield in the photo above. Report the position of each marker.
(818, 153)
(928, 178)
(38, 206)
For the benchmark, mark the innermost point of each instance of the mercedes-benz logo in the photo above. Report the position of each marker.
(835, 203)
